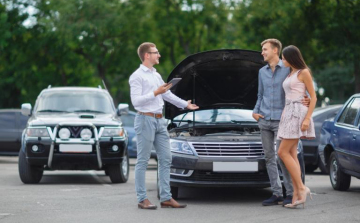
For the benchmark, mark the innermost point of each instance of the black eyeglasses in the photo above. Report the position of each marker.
(157, 52)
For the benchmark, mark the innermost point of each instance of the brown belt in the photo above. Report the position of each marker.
(151, 114)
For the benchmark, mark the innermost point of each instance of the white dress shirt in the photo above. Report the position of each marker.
(143, 82)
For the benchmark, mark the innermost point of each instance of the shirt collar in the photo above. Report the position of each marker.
(146, 69)
(279, 64)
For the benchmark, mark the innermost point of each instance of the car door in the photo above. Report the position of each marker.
(8, 132)
(355, 145)
(343, 133)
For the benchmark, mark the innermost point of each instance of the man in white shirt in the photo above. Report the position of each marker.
(148, 92)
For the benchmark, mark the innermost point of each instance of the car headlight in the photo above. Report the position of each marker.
(113, 132)
(64, 133)
(37, 132)
(180, 147)
(85, 134)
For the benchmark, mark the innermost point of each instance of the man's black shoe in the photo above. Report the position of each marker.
(273, 200)
(288, 200)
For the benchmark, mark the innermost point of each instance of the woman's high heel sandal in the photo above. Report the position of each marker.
(299, 202)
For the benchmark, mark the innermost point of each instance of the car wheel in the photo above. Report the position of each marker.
(175, 192)
(310, 168)
(323, 167)
(29, 174)
(339, 180)
(119, 173)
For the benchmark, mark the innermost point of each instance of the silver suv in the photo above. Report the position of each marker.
(73, 128)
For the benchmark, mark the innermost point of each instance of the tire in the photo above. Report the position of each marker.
(175, 192)
(339, 180)
(29, 174)
(322, 167)
(119, 173)
(310, 168)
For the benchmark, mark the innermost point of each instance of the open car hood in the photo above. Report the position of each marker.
(217, 79)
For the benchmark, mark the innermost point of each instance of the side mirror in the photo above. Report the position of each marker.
(26, 109)
(123, 109)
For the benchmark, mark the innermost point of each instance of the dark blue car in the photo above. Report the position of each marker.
(339, 147)
(128, 124)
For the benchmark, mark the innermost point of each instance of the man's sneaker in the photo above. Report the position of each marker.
(288, 200)
(273, 200)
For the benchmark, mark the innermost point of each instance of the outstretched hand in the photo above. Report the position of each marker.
(191, 106)
(162, 89)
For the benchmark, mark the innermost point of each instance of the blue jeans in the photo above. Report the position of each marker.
(269, 129)
(151, 132)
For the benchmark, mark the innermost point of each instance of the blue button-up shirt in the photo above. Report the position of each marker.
(271, 95)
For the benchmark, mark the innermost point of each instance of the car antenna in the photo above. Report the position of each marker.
(104, 84)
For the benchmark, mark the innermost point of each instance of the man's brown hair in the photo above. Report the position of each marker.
(144, 48)
(274, 44)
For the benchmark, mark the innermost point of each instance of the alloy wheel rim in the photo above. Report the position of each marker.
(125, 166)
(334, 168)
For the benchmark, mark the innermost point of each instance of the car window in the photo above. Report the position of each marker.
(349, 114)
(23, 121)
(7, 120)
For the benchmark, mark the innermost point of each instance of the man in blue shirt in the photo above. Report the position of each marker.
(267, 111)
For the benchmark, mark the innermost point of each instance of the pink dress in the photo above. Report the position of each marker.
(294, 112)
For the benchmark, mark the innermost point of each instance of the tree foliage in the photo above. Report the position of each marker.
(81, 42)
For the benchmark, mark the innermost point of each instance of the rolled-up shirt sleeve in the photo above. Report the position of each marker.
(135, 93)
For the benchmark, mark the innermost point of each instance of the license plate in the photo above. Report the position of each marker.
(75, 148)
(235, 166)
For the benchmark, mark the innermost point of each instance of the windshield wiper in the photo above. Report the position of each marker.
(88, 110)
(51, 110)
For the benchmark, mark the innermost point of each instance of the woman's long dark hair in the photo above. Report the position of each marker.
(293, 56)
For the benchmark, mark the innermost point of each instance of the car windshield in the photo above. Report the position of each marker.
(75, 101)
(217, 116)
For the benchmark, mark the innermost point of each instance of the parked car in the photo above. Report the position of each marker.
(128, 123)
(12, 124)
(218, 145)
(339, 147)
(73, 128)
(311, 155)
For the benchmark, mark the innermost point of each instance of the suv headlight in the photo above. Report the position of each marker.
(180, 147)
(37, 132)
(113, 132)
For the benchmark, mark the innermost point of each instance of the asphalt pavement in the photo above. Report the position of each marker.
(89, 196)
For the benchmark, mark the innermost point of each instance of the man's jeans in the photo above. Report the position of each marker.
(151, 132)
(269, 129)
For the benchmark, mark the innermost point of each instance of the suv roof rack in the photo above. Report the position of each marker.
(99, 87)
(49, 86)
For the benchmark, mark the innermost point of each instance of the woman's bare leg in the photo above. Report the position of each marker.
(288, 154)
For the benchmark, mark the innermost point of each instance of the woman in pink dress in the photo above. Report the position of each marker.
(296, 122)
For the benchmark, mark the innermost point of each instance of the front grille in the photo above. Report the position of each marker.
(201, 175)
(75, 131)
(229, 149)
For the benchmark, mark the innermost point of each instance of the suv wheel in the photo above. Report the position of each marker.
(29, 174)
(339, 180)
(119, 173)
